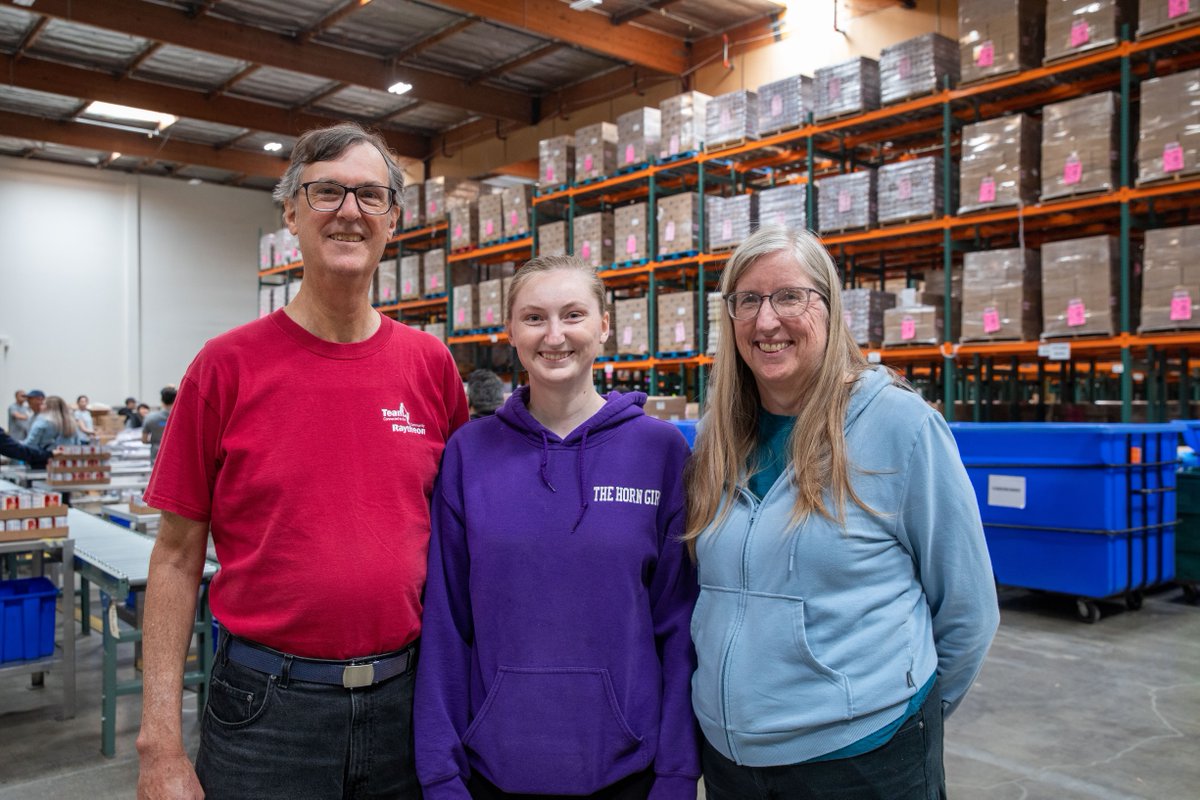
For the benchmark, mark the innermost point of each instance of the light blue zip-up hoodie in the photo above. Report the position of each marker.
(812, 637)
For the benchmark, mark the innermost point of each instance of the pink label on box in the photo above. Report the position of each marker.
(991, 320)
(726, 119)
(433, 281)
(1081, 34)
(776, 105)
(727, 229)
(408, 287)
(549, 173)
(627, 335)
(908, 328)
(1177, 8)
(585, 251)
(587, 163)
(1181, 306)
(514, 219)
(461, 316)
(674, 148)
(1072, 171)
(489, 316)
(834, 92)
(985, 55)
(1173, 157)
(631, 244)
(987, 190)
(630, 154)
(669, 233)
(680, 332)
(433, 206)
(458, 231)
(1076, 313)
(408, 215)
(488, 228)
(844, 201)
(904, 68)
(904, 188)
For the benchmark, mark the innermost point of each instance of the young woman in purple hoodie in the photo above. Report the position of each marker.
(555, 652)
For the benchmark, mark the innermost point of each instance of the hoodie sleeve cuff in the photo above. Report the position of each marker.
(673, 787)
(452, 788)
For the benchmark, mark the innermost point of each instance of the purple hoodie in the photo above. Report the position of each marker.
(555, 652)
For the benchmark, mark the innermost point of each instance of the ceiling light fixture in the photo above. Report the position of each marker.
(584, 5)
(130, 114)
(272, 147)
(400, 87)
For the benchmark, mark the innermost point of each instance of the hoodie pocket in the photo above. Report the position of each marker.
(551, 730)
(775, 683)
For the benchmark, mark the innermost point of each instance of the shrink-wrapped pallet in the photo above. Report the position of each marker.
(464, 226)
(916, 67)
(411, 286)
(632, 331)
(1080, 284)
(1159, 15)
(997, 37)
(516, 202)
(442, 194)
(412, 214)
(676, 322)
(387, 282)
(678, 224)
(783, 206)
(999, 165)
(682, 120)
(593, 238)
(433, 271)
(731, 119)
(491, 218)
(556, 162)
(849, 87)
(1079, 146)
(909, 190)
(1171, 279)
(639, 136)
(784, 104)
(1169, 142)
(1077, 26)
(595, 151)
(729, 219)
(552, 239)
(862, 310)
(1002, 295)
(464, 307)
(918, 318)
(846, 202)
(491, 303)
(629, 233)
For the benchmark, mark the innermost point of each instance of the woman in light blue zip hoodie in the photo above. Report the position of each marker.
(847, 599)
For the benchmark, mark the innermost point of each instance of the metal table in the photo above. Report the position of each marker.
(118, 561)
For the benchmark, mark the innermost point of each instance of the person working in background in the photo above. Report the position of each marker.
(143, 411)
(83, 417)
(20, 416)
(156, 422)
(129, 413)
(54, 426)
(35, 457)
(485, 393)
(321, 523)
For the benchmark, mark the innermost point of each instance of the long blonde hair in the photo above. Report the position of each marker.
(728, 435)
(57, 412)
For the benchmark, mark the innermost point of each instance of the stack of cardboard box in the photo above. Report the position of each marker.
(556, 161)
(678, 223)
(632, 329)
(1171, 279)
(593, 238)
(387, 281)
(629, 233)
(916, 67)
(730, 119)
(918, 318)
(677, 322)
(411, 286)
(846, 202)
(1079, 146)
(1080, 284)
(412, 203)
(491, 303)
(862, 310)
(1169, 143)
(729, 219)
(849, 87)
(1076, 26)
(442, 194)
(999, 165)
(595, 151)
(1157, 15)
(464, 225)
(433, 269)
(908, 190)
(784, 104)
(491, 218)
(682, 118)
(1002, 295)
(996, 37)
(464, 306)
(516, 201)
(552, 239)
(783, 206)
(639, 136)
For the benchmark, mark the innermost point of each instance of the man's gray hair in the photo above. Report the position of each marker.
(326, 144)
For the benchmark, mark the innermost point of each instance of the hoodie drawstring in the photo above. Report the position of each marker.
(583, 499)
(545, 461)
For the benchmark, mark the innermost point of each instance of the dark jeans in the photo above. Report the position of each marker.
(909, 767)
(635, 787)
(264, 737)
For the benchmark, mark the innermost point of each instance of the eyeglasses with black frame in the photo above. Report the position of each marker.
(328, 196)
(790, 301)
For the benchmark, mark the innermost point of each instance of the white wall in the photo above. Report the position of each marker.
(110, 283)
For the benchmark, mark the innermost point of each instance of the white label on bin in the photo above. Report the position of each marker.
(1006, 491)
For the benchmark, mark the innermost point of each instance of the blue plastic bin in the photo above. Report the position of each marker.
(1087, 510)
(688, 428)
(1191, 432)
(26, 619)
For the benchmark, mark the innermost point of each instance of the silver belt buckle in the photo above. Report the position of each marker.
(357, 676)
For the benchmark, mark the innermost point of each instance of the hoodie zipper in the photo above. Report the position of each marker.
(737, 626)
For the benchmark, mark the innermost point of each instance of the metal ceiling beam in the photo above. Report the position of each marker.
(332, 18)
(556, 20)
(246, 72)
(640, 11)
(254, 45)
(435, 37)
(90, 137)
(141, 57)
(46, 76)
(535, 54)
(31, 36)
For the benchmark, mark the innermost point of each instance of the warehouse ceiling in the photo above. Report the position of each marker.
(241, 79)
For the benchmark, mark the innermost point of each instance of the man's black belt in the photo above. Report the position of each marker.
(354, 673)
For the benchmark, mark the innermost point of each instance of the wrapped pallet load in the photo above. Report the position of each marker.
(998, 37)
(999, 166)
(1079, 146)
(1002, 295)
(848, 87)
(916, 67)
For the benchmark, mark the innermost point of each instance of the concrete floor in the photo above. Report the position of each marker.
(1061, 711)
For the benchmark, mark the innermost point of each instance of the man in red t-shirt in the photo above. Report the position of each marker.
(320, 520)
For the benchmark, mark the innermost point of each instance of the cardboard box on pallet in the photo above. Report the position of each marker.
(517, 201)
(593, 238)
(1169, 141)
(999, 165)
(678, 223)
(1080, 284)
(846, 201)
(730, 119)
(848, 87)
(1002, 293)
(556, 161)
(552, 239)
(433, 271)
(677, 322)
(412, 204)
(1076, 26)
(784, 104)
(909, 190)
(595, 151)
(1079, 146)
(996, 37)
(1171, 279)
(783, 206)
(464, 307)
(629, 233)
(917, 318)
(632, 327)
(729, 219)
(917, 66)
(410, 277)
(491, 218)
(682, 120)
(639, 136)
(862, 310)
(442, 194)
(491, 303)
(1157, 15)
(464, 226)
(387, 282)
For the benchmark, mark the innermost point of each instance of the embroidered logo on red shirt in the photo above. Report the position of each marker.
(401, 422)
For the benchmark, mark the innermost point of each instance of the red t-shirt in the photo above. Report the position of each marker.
(314, 463)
